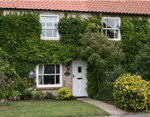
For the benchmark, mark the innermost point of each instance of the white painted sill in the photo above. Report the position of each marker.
(51, 39)
(45, 86)
(115, 39)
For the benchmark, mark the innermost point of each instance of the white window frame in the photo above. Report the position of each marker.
(51, 85)
(119, 34)
(50, 38)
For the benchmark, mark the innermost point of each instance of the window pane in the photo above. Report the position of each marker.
(43, 24)
(116, 23)
(116, 34)
(110, 23)
(49, 69)
(54, 17)
(48, 18)
(57, 69)
(42, 18)
(57, 79)
(49, 80)
(110, 33)
(54, 33)
(40, 69)
(104, 23)
(79, 69)
(40, 80)
(43, 33)
(49, 25)
(55, 25)
(48, 33)
(104, 32)
(55, 20)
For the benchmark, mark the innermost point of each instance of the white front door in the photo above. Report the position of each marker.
(79, 78)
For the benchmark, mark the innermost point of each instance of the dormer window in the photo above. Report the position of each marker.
(49, 27)
(111, 28)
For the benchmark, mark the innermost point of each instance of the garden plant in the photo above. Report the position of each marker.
(131, 92)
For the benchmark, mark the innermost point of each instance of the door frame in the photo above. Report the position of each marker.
(72, 76)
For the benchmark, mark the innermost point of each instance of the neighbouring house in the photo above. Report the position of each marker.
(52, 77)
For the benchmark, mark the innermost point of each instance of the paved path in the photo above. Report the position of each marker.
(140, 115)
(107, 107)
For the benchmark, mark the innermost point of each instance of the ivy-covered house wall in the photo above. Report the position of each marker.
(21, 40)
(23, 66)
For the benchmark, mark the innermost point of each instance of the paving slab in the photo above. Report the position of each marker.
(139, 115)
(111, 109)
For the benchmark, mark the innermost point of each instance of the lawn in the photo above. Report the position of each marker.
(49, 108)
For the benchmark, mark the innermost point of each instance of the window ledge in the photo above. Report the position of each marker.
(51, 39)
(47, 88)
(115, 39)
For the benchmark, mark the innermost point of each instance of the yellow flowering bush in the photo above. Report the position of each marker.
(63, 93)
(131, 92)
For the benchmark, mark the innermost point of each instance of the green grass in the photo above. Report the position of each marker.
(49, 108)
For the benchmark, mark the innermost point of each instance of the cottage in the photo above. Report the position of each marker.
(51, 76)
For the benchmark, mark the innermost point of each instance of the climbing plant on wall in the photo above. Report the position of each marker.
(70, 28)
(133, 37)
(20, 38)
(142, 60)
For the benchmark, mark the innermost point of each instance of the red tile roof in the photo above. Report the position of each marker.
(105, 6)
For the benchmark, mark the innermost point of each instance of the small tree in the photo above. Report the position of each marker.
(100, 53)
(9, 79)
(99, 50)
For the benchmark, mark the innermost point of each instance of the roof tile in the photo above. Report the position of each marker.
(108, 6)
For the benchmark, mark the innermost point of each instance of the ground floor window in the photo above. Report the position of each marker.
(49, 75)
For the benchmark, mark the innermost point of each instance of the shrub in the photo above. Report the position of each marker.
(105, 88)
(105, 93)
(131, 92)
(19, 85)
(16, 95)
(149, 95)
(27, 95)
(4, 93)
(63, 93)
(49, 95)
(39, 95)
(72, 97)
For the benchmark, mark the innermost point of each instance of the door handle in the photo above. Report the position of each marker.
(73, 76)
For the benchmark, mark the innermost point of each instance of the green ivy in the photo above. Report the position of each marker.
(1, 13)
(70, 28)
(20, 38)
(92, 84)
(133, 36)
(142, 60)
